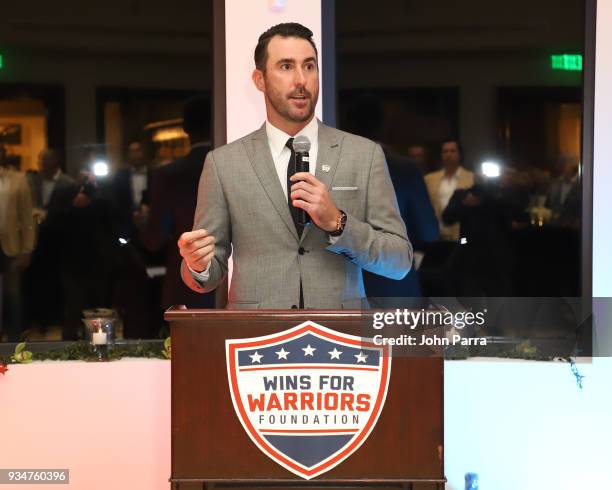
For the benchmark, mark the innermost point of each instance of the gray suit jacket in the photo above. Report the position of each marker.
(242, 204)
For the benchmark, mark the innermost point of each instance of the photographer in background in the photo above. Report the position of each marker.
(486, 214)
(86, 256)
(442, 183)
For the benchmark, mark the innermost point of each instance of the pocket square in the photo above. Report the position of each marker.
(340, 188)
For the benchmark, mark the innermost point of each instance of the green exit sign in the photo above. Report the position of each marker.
(1, 61)
(567, 62)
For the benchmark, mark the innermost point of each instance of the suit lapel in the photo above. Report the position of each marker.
(328, 155)
(260, 157)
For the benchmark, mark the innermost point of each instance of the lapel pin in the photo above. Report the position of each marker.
(325, 168)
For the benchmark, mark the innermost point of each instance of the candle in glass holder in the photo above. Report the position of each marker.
(98, 338)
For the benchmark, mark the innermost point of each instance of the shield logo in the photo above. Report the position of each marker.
(308, 397)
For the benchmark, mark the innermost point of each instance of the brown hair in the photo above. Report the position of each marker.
(288, 29)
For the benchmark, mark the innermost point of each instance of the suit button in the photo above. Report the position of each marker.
(294, 307)
(301, 251)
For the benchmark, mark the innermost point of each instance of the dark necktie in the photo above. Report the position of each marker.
(290, 171)
(292, 209)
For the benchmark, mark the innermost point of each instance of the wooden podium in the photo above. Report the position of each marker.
(210, 447)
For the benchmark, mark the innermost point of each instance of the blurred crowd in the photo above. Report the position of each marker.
(503, 231)
(479, 229)
(100, 239)
(109, 241)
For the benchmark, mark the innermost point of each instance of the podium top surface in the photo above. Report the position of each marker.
(177, 313)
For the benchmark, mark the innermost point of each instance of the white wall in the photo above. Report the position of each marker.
(244, 23)
(527, 425)
(602, 174)
(519, 425)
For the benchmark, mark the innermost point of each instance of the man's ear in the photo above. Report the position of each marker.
(258, 79)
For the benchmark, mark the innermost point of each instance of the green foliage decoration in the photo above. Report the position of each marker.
(82, 351)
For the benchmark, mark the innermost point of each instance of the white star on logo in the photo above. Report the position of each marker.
(255, 357)
(361, 357)
(335, 354)
(308, 351)
(282, 354)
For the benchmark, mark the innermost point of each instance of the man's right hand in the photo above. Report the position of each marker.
(197, 248)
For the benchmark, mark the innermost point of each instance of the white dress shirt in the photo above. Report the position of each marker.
(277, 141)
(448, 186)
(139, 185)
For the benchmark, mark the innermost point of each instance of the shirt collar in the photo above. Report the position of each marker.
(455, 176)
(277, 138)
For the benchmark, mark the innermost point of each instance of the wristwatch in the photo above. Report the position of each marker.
(340, 224)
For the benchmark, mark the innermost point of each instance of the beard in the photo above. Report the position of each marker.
(282, 104)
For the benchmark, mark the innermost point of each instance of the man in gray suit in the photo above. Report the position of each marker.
(248, 194)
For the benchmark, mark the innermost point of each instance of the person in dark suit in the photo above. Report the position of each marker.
(131, 187)
(421, 223)
(365, 118)
(52, 192)
(52, 189)
(87, 258)
(484, 260)
(173, 204)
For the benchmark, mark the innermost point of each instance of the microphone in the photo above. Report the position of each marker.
(301, 147)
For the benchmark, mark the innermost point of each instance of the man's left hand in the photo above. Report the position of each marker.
(310, 194)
